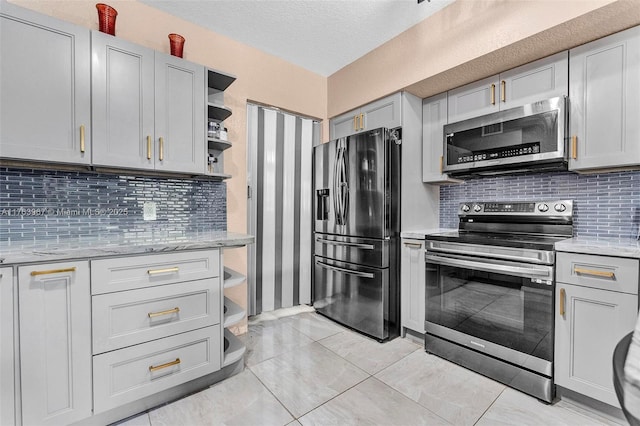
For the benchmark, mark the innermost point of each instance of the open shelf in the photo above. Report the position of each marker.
(233, 313)
(234, 348)
(218, 112)
(232, 278)
(218, 144)
(219, 80)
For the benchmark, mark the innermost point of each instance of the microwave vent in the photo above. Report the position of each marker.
(492, 129)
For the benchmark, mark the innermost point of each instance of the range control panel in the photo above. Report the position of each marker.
(508, 208)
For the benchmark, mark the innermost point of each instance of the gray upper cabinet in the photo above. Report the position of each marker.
(45, 105)
(385, 112)
(148, 108)
(434, 117)
(542, 79)
(122, 75)
(605, 102)
(180, 115)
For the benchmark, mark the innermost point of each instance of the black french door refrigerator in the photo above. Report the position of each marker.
(356, 232)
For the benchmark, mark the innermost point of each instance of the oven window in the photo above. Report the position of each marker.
(507, 310)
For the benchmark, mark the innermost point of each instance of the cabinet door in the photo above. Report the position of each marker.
(434, 117)
(385, 112)
(412, 285)
(586, 335)
(45, 105)
(7, 392)
(55, 343)
(122, 80)
(345, 124)
(543, 79)
(605, 101)
(472, 100)
(179, 115)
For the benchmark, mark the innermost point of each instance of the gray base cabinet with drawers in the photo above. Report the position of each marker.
(596, 306)
(103, 339)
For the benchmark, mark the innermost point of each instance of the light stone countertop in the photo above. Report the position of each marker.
(19, 253)
(621, 247)
(420, 234)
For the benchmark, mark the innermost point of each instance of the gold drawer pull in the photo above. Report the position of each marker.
(153, 368)
(416, 245)
(53, 271)
(161, 313)
(162, 271)
(574, 147)
(594, 272)
(563, 298)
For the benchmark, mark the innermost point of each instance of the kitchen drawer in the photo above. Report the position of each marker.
(130, 317)
(126, 375)
(128, 273)
(603, 272)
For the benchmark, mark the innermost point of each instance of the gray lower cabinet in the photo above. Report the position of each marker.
(7, 390)
(148, 108)
(542, 79)
(596, 306)
(605, 102)
(412, 285)
(385, 112)
(45, 107)
(55, 343)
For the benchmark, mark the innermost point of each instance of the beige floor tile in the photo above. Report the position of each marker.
(371, 403)
(367, 353)
(315, 326)
(239, 400)
(456, 394)
(268, 339)
(513, 407)
(307, 376)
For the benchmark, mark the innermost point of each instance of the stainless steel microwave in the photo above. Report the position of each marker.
(526, 138)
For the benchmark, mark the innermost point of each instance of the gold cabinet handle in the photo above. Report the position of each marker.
(503, 91)
(493, 94)
(362, 121)
(161, 156)
(153, 368)
(563, 299)
(414, 245)
(574, 147)
(162, 271)
(355, 123)
(595, 273)
(148, 147)
(82, 144)
(162, 313)
(52, 271)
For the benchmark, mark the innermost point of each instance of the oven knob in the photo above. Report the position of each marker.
(560, 207)
(477, 208)
(465, 208)
(543, 207)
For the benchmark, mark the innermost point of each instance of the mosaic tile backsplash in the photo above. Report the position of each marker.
(52, 206)
(605, 205)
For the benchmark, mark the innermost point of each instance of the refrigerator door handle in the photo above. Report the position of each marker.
(336, 186)
(346, 271)
(342, 243)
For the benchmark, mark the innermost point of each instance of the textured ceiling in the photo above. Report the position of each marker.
(319, 35)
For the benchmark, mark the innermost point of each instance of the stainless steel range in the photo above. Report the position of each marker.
(490, 289)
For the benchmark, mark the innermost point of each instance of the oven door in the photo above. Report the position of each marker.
(501, 308)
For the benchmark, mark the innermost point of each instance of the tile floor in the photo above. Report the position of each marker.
(303, 369)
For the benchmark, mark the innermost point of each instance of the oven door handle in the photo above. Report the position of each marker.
(487, 266)
(346, 271)
(343, 243)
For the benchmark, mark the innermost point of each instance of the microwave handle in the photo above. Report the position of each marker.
(487, 266)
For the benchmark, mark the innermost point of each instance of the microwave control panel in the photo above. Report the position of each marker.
(504, 152)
